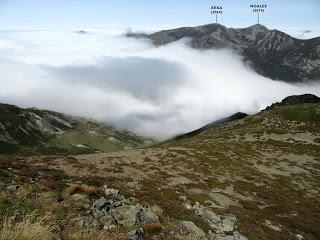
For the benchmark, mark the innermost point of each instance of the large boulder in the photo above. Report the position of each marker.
(219, 223)
(129, 214)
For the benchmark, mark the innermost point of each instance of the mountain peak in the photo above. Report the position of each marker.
(256, 29)
(271, 53)
(259, 27)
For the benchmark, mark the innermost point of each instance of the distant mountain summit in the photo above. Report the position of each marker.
(271, 53)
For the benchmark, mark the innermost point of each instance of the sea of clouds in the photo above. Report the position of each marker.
(153, 91)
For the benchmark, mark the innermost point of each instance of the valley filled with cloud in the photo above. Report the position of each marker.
(130, 83)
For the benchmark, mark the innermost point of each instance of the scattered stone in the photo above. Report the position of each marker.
(183, 198)
(13, 188)
(180, 181)
(269, 224)
(193, 229)
(217, 190)
(299, 236)
(109, 227)
(187, 206)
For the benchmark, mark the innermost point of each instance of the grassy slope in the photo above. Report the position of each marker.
(263, 167)
(34, 132)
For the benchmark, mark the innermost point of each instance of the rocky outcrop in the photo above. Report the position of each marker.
(222, 226)
(192, 229)
(115, 210)
(296, 99)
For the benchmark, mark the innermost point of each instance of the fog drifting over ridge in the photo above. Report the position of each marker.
(156, 92)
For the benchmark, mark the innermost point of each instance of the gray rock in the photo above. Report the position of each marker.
(125, 215)
(110, 191)
(227, 224)
(183, 198)
(239, 236)
(193, 229)
(145, 215)
(135, 234)
(220, 224)
(13, 188)
(107, 220)
(109, 227)
(187, 205)
(270, 225)
(236, 236)
(299, 236)
(129, 214)
(99, 213)
(211, 217)
(101, 202)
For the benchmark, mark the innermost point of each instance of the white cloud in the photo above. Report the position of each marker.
(157, 92)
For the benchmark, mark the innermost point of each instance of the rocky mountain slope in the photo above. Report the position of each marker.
(253, 178)
(34, 131)
(271, 53)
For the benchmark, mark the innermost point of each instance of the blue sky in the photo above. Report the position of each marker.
(290, 15)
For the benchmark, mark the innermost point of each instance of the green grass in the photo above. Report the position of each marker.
(301, 113)
(17, 208)
(5, 176)
(99, 142)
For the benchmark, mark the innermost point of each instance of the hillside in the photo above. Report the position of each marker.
(33, 131)
(253, 178)
(217, 123)
(271, 53)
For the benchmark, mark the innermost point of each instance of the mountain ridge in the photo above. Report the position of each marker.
(271, 53)
(236, 116)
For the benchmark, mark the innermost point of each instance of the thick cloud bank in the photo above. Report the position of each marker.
(157, 92)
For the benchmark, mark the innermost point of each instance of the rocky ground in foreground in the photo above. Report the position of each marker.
(254, 178)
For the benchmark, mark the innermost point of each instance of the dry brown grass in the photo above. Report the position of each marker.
(25, 231)
(87, 189)
(152, 228)
(93, 234)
